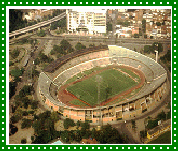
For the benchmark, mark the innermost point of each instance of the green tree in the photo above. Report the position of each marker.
(109, 27)
(158, 23)
(27, 123)
(136, 35)
(15, 53)
(55, 116)
(65, 136)
(56, 48)
(37, 61)
(144, 26)
(34, 104)
(78, 136)
(148, 49)
(80, 46)
(43, 138)
(15, 119)
(41, 33)
(65, 47)
(68, 122)
(23, 141)
(161, 116)
(152, 124)
(16, 72)
(93, 133)
(157, 46)
(26, 90)
(78, 124)
(11, 89)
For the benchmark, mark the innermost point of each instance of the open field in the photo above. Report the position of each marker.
(164, 138)
(114, 81)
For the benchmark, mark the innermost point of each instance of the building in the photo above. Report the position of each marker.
(165, 126)
(86, 21)
(145, 100)
(37, 14)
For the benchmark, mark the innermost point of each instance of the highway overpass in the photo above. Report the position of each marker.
(36, 26)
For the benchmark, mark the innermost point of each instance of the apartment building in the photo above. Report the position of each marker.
(87, 21)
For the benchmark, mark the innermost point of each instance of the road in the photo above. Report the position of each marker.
(38, 25)
(104, 40)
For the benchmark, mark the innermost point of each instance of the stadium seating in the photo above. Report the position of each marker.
(154, 73)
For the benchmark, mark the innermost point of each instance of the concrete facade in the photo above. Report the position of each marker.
(152, 92)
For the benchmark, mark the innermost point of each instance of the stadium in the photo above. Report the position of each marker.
(102, 84)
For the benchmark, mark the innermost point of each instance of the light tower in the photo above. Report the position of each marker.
(156, 56)
(99, 80)
(156, 53)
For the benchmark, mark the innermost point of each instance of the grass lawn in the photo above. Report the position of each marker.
(113, 83)
(81, 75)
(77, 102)
(164, 138)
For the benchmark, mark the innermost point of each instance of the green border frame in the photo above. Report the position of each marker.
(3, 75)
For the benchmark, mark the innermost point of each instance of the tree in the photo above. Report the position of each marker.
(15, 53)
(143, 134)
(144, 26)
(55, 116)
(158, 23)
(15, 119)
(108, 135)
(136, 35)
(109, 27)
(78, 124)
(152, 124)
(34, 104)
(161, 116)
(16, 72)
(27, 123)
(65, 47)
(23, 141)
(148, 49)
(35, 72)
(65, 136)
(157, 46)
(61, 24)
(80, 46)
(11, 89)
(37, 61)
(43, 138)
(78, 136)
(68, 122)
(26, 90)
(93, 133)
(41, 33)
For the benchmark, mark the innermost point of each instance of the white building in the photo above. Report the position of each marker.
(87, 21)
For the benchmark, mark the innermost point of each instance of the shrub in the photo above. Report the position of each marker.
(31, 112)
(145, 36)
(136, 35)
(15, 119)
(23, 141)
(27, 123)
(152, 124)
(68, 122)
(25, 113)
(41, 33)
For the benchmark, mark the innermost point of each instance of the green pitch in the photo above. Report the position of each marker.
(113, 83)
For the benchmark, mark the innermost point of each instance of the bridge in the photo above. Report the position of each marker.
(36, 26)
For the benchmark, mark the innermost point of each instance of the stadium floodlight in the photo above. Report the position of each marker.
(156, 56)
(99, 80)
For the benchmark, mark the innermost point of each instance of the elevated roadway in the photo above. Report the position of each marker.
(36, 26)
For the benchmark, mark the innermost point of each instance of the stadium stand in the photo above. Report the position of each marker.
(69, 65)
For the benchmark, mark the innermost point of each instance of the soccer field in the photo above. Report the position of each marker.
(113, 83)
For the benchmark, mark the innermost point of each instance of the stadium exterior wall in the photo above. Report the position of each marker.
(109, 114)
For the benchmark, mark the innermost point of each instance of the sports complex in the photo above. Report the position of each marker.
(102, 84)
